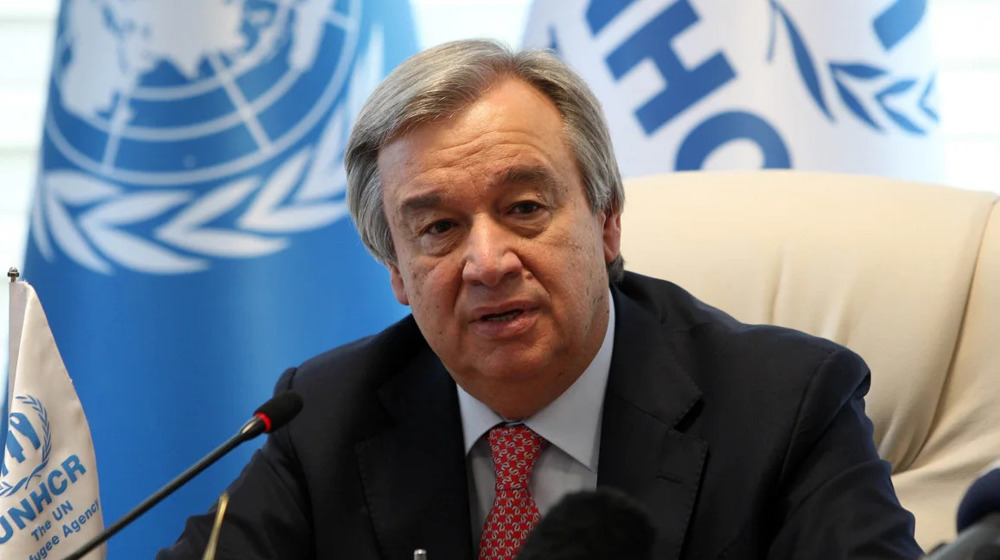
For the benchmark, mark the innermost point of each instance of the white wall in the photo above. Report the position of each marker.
(26, 41)
(967, 46)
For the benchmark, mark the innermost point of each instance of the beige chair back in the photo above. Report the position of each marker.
(905, 274)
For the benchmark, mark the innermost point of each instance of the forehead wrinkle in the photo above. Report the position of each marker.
(526, 173)
(481, 151)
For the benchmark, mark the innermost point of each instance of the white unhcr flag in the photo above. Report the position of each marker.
(737, 84)
(49, 498)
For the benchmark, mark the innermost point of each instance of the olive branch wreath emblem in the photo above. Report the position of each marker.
(843, 73)
(303, 193)
(7, 489)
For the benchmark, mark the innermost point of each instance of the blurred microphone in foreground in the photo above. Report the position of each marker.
(978, 522)
(600, 525)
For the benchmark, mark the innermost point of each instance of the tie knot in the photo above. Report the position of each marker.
(515, 450)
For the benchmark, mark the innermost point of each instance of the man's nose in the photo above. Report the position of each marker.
(490, 254)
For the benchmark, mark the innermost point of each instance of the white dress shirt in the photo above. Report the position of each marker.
(571, 424)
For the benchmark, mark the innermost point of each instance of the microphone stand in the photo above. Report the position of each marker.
(250, 430)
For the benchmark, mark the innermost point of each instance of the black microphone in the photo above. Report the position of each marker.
(271, 415)
(977, 521)
(981, 499)
(592, 525)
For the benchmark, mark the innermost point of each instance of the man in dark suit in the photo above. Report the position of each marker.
(486, 183)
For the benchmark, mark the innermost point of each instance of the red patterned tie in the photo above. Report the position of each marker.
(514, 513)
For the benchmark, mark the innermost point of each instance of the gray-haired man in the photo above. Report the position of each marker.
(485, 181)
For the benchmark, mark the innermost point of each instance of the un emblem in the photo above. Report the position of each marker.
(27, 446)
(182, 132)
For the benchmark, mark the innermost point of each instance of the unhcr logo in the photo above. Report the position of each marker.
(27, 443)
(30, 487)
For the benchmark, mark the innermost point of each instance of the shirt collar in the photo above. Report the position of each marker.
(572, 422)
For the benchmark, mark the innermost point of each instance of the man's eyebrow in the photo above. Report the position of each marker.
(526, 174)
(419, 202)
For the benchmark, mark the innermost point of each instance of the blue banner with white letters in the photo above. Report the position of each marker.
(189, 233)
(730, 84)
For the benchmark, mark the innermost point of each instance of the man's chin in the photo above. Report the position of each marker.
(511, 373)
(501, 374)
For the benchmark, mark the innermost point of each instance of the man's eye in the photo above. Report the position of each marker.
(439, 227)
(526, 207)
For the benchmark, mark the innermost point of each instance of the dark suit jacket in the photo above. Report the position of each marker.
(742, 441)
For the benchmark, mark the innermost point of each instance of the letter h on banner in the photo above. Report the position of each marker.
(685, 86)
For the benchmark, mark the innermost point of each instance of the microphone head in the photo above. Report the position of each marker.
(982, 499)
(279, 410)
(604, 524)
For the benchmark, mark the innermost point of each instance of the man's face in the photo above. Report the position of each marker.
(498, 253)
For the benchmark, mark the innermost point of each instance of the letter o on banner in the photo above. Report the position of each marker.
(726, 127)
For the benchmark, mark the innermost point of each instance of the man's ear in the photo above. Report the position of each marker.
(398, 289)
(612, 234)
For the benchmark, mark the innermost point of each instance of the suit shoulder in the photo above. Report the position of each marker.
(703, 335)
(365, 362)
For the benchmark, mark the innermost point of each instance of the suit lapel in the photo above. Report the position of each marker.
(641, 453)
(413, 472)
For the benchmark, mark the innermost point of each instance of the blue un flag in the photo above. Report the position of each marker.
(189, 233)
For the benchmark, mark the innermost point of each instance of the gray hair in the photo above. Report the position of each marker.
(439, 82)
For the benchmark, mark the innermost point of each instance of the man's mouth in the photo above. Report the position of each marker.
(500, 317)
